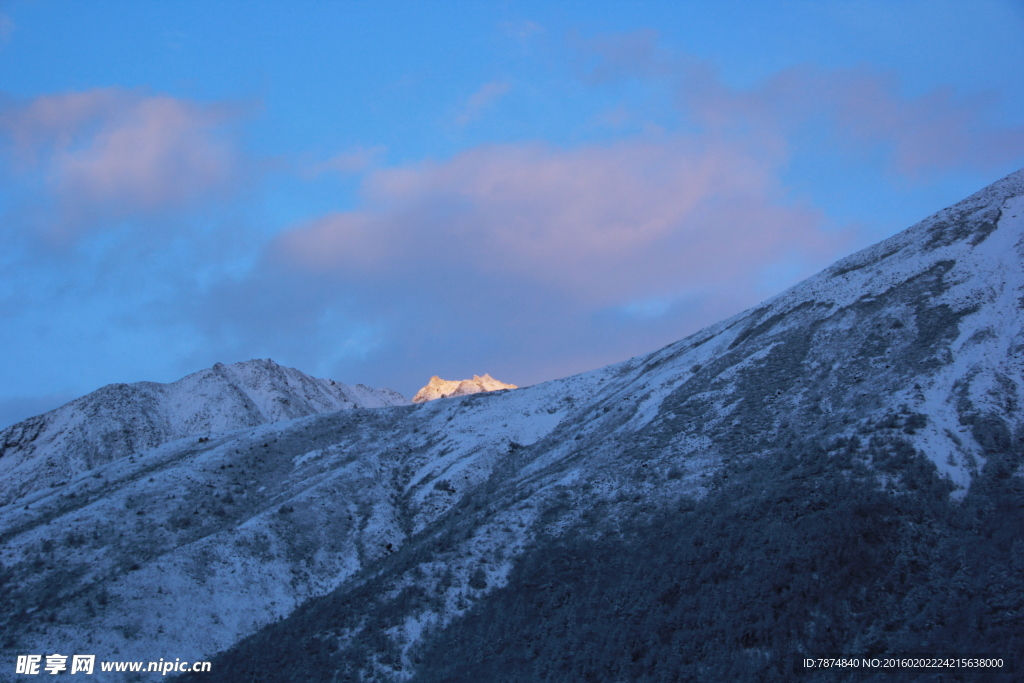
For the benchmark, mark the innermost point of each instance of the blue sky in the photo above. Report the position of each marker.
(380, 192)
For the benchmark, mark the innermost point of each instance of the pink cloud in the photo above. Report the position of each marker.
(527, 261)
(603, 224)
(111, 154)
(163, 151)
(52, 122)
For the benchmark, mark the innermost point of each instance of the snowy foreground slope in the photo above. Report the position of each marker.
(123, 419)
(834, 471)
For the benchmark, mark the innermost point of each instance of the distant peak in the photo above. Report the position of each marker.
(444, 388)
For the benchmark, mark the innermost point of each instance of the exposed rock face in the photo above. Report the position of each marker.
(444, 388)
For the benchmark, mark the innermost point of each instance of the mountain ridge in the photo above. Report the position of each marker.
(119, 420)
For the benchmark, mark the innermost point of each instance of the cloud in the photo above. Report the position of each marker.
(532, 261)
(486, 96)
(53, 121)
(602, 223)
(106, 155)
(862, 109)
(525, 259)
(936, 130)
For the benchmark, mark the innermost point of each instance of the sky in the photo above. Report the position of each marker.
(379, 192)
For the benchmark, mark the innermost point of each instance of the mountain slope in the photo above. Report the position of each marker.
(122, 419)
(785, 482)
(837, 470)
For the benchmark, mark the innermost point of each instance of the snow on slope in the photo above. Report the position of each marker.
(914, 341)
(123, 419)
(202, 543)
(918, 338)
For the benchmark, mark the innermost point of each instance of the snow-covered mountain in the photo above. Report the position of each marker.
(123, 419)
(445, 388)
(835, 471)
